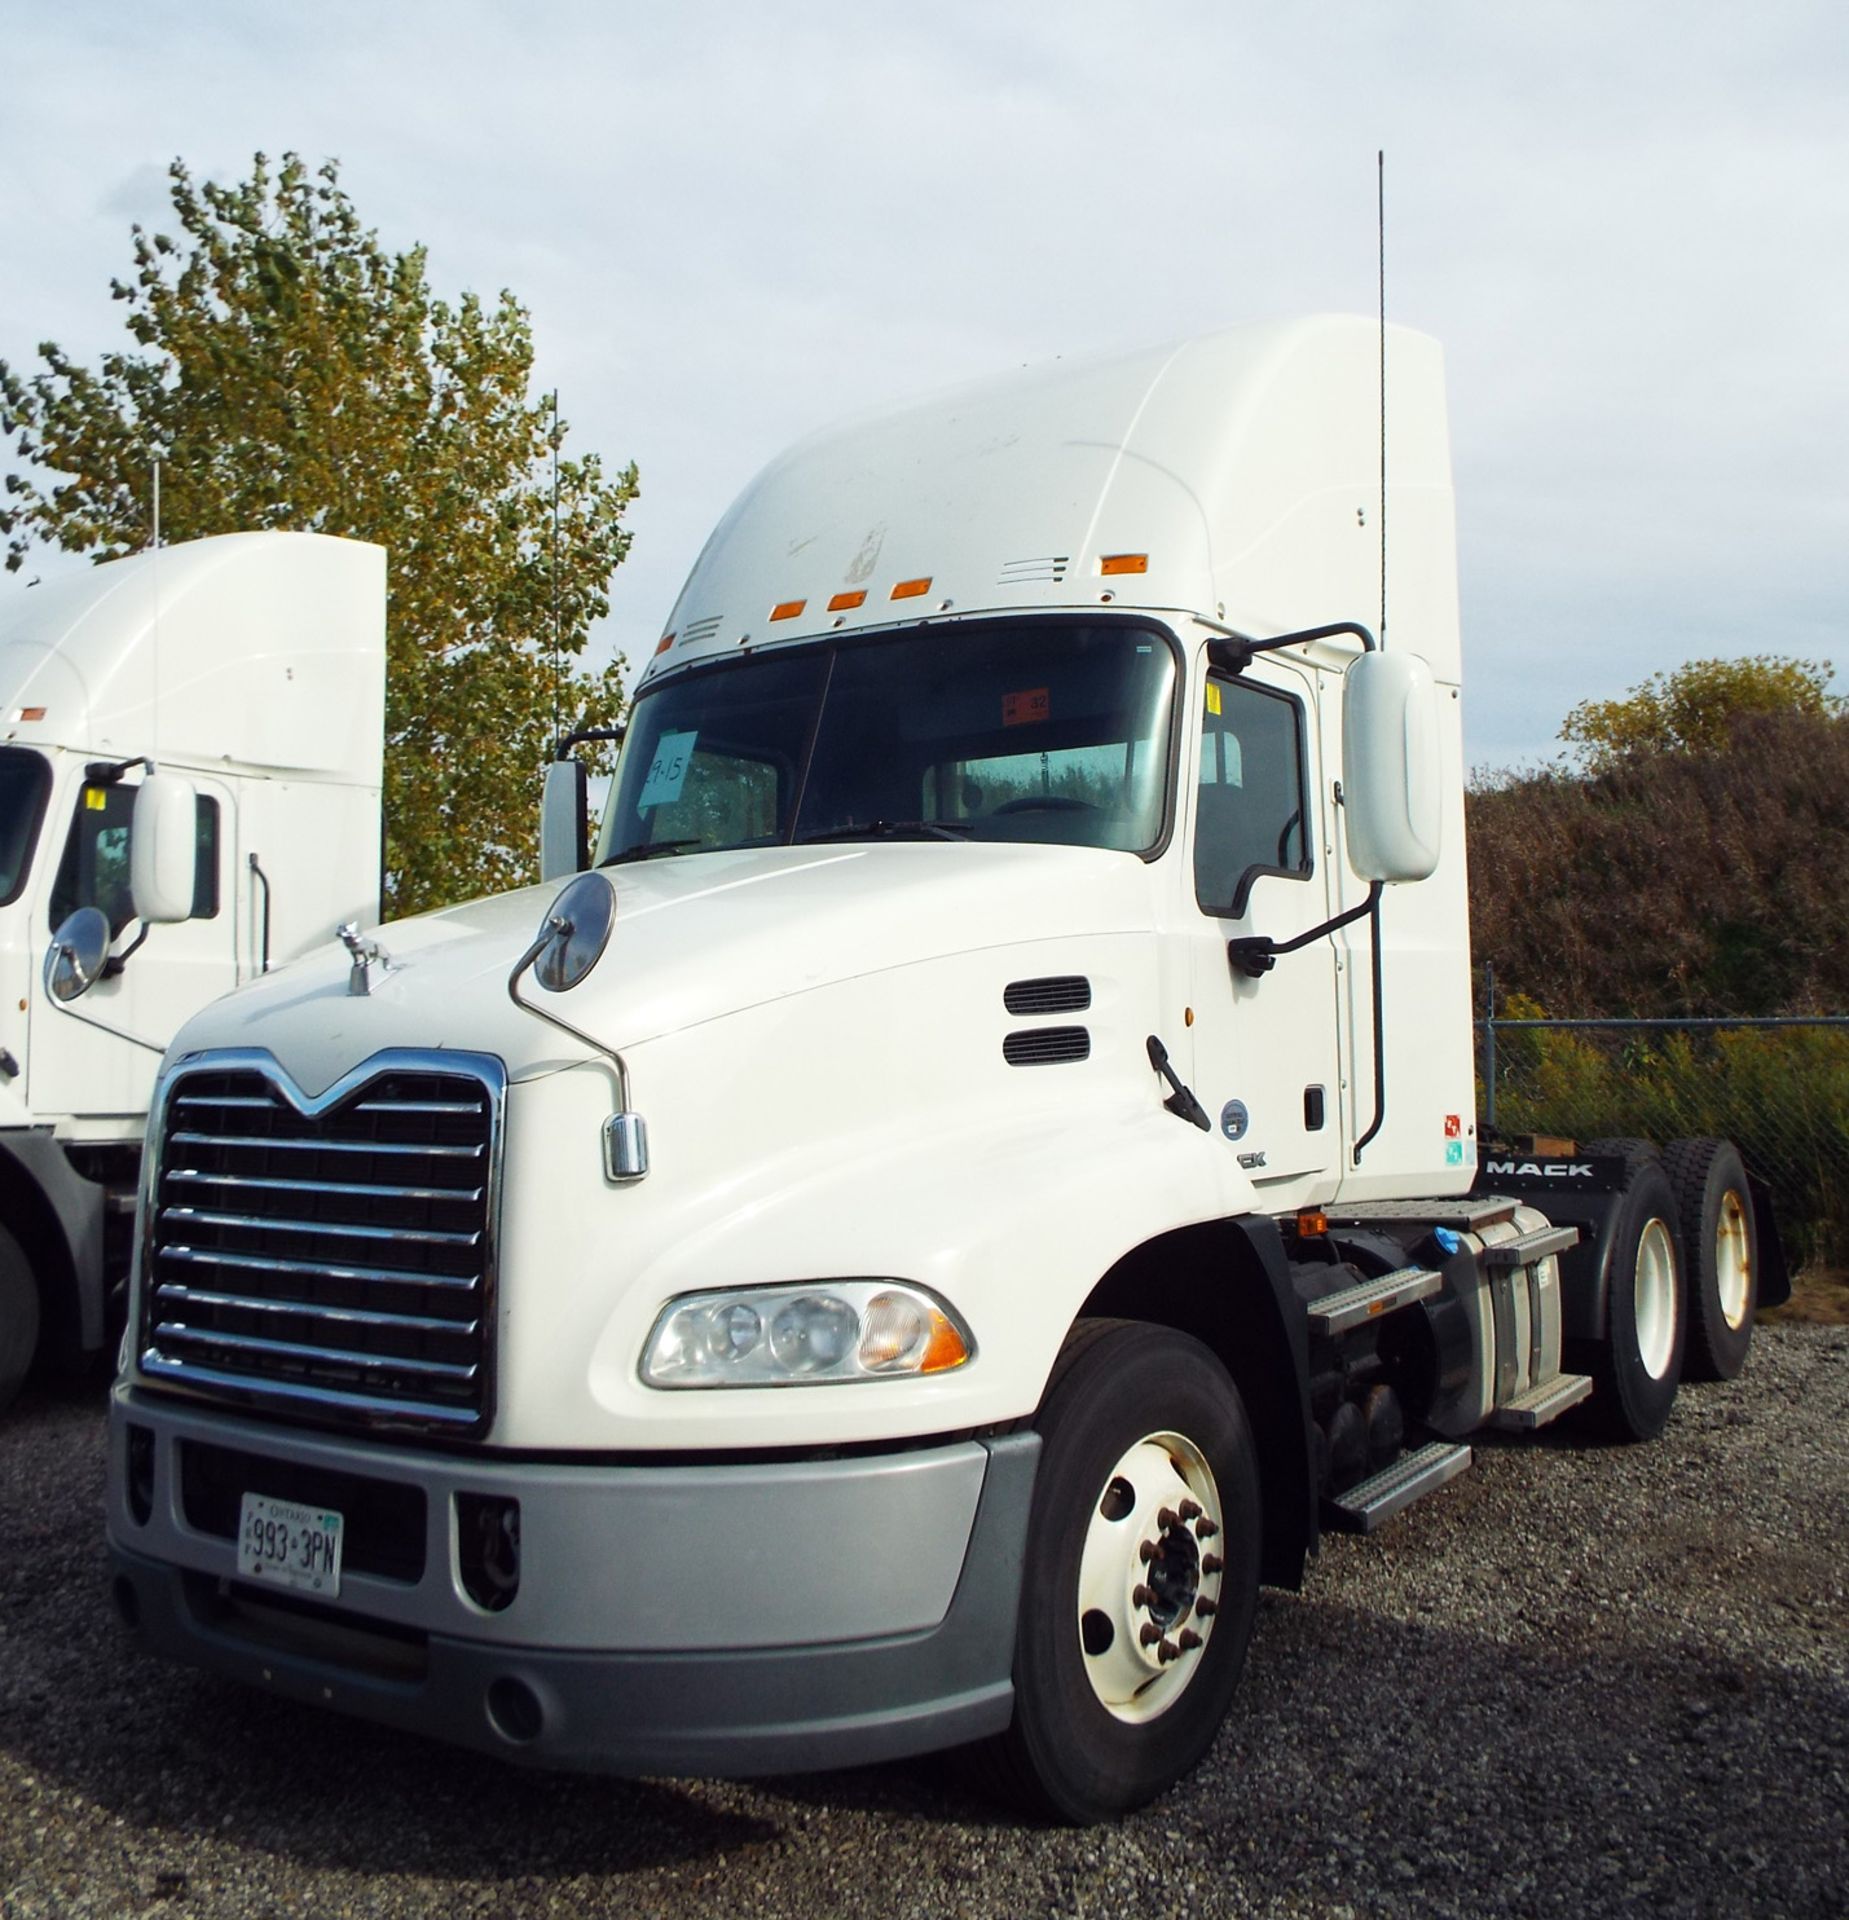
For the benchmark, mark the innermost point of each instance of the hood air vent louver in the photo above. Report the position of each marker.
(697, 632)
(1058, 993)
(1046, 1046)
(1018, 572)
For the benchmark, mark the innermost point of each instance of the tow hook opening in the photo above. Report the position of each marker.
(140, 1474)
(514, 1710)
(488, 1549)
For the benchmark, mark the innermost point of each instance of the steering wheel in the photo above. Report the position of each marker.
(1044, 803)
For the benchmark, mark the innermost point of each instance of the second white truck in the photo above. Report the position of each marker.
(250, 669)
(971, 1178)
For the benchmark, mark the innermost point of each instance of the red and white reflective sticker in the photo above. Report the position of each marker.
(1454, 1127)
(1024, 709)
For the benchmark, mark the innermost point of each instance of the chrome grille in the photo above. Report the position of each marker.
(336, 1255)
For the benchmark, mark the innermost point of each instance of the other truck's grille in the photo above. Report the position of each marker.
(334, 1256)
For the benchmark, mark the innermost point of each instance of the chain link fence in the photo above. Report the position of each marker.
(1778, 1088)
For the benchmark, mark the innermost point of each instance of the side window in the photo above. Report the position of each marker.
(94, 871)
(1249, 811)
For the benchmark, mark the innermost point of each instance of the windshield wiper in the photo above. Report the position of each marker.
(886, 830)
(649, 852)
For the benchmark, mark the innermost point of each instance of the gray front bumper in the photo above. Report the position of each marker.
(732, 1618)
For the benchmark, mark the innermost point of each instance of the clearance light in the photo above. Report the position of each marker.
(912, 589)
(804, 1336)
(664, 643)
(847, 602)
(787, 609)
(1312, 1223)
(1124, 563)
(28, 713)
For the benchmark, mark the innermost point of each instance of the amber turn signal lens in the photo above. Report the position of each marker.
(1124, 563)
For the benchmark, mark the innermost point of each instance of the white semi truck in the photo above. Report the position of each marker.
(970, 1178)
(250, 670)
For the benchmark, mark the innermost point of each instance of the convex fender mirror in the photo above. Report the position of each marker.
(1392, 790)
(79, 951)
(164, 849)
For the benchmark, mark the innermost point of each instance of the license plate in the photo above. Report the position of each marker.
(285, 1545)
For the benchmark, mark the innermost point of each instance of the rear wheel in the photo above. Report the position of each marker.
(1720, 1244)
(1638, 1364)
(19, 1317)
(1142, 1573)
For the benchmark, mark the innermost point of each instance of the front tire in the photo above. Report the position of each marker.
(1141, 1579)
(19, 1317)
(1720, 1248)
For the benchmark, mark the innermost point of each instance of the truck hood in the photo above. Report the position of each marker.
(696, 938)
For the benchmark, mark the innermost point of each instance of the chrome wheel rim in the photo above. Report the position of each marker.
(1654, 1298)
(1733, 1259)
(1150, 1576)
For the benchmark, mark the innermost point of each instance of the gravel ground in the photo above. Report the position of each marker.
(1579, 1680)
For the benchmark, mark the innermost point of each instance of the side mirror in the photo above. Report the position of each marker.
(79, 950)
(1392, 789)
(564, 818)
(164, 849)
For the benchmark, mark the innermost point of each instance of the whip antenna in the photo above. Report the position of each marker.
(1380, 228)
(557, 641)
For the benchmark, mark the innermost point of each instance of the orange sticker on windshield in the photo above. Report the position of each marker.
(1023, 709)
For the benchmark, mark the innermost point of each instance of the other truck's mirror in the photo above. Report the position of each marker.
(563, 820)
(1392, 789)
(78, 953)
(163, 853)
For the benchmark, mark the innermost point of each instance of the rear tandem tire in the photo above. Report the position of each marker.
(19, 1317)
(1720, 1254)
(1638, 1364)
(1121, 1677)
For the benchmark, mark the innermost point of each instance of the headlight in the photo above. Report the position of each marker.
(803, 1336)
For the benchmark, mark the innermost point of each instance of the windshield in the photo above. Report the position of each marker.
(1052, 730)
(25, 780)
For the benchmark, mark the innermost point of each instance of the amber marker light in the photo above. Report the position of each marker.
(787, 609)
(30, 713)
(847, 602)
(1124, 563)
(912, 589)
(664, 643)
(1311, 1224)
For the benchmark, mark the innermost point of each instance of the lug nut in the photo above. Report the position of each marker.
(1141, 1596)
(1168, 1651)
(1189, 1510)
(1147, 1550)
(1207, 1529)
(1188, 1639)
(1206, 1608)
(1167, 1518)
(1211, 1563)
(1150, 1634)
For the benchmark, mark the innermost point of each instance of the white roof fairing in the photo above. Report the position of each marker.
(1245, 464)
(259, 650)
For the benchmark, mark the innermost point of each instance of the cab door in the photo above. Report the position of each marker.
(99, 1057)
(1267, 1060)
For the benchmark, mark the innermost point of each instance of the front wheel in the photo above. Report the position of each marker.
(1142, 1572)
(19, 1317)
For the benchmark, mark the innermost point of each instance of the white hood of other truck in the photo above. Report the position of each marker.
(696, 937)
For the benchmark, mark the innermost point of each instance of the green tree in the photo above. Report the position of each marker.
(1693, 709)
(289, 372)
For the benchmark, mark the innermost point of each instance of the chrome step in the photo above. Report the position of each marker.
(1541, 1404)
(1526, 1248)
(1337, 1312)
(1362, 1508)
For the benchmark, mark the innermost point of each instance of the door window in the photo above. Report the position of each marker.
(1249, 806)
(95, 869)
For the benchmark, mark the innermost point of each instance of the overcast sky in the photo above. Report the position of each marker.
(1629, 224)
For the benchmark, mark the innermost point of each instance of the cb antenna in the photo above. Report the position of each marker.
(557, 638)
(1380, 228)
